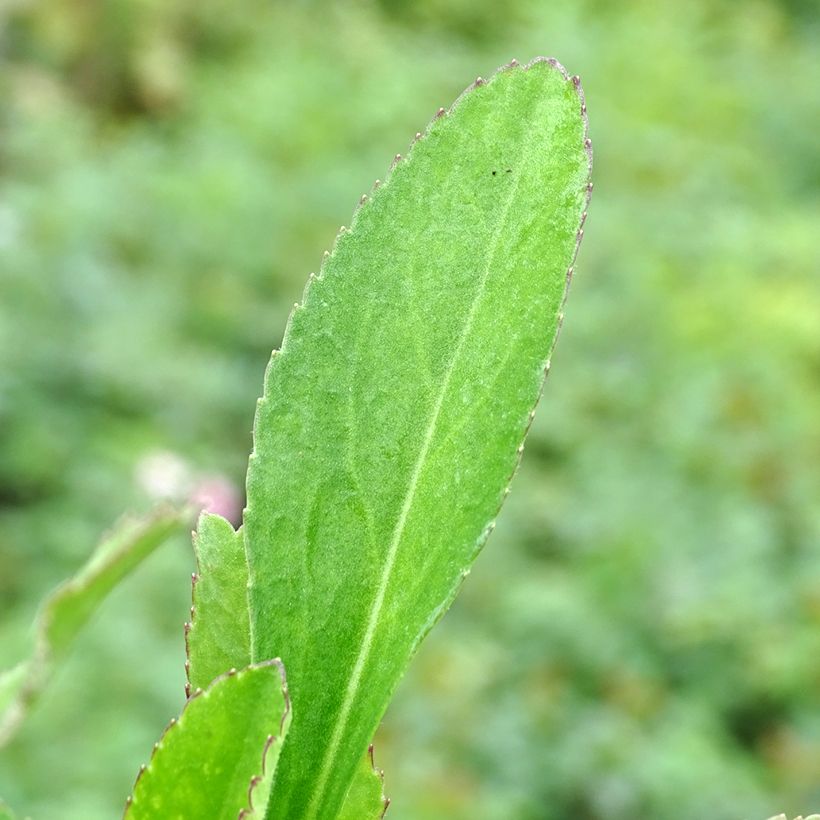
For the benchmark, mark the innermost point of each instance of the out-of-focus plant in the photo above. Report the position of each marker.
(783, 817)
(68, 609)
(391, 423)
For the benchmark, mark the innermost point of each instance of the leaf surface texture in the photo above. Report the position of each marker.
(392, 418)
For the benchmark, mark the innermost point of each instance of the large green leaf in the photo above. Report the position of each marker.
(66, 610)
(217, 762)
(392, 419)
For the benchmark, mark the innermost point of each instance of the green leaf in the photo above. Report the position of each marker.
(69, 607)
(218, 637)
(5, 812)
(393, 418)
(365, 799)
(219, 759)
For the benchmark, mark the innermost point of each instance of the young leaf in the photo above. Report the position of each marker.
(218, 637)
(218, 760)
(69, 607)
(392, 419)
(217, 640)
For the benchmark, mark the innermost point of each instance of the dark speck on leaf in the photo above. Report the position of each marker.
(509, 170)
(495, 172)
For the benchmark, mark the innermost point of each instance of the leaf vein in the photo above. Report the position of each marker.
(326, 764)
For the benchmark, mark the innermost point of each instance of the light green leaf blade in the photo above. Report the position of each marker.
(365, 799)
(218, 637)
(5, 812)
(69, 607)
(217, 762)
(392, 419)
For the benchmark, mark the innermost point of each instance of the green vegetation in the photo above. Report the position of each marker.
(392, 420)
(642, 639)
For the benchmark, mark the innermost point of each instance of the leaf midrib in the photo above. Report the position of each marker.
(326, 766)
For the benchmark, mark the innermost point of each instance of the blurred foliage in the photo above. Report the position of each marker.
(642, 636)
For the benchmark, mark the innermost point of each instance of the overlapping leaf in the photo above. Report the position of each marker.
(217, 639)
(218, 761)
(393, 417)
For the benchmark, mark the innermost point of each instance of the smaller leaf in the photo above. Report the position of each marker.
(68, 608)
(365, 800)
(219, 759)
(218, 637)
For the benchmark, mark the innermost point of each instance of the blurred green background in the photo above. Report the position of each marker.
(641, 638)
